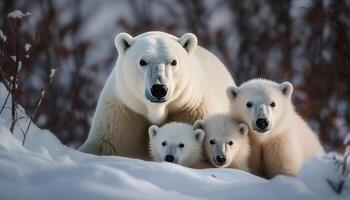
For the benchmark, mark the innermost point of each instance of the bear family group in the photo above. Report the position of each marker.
(168, 99)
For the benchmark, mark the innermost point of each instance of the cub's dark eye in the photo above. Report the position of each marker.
(181, 145)
(212, 141)
(273, 104)
(230, 143)
(173, 63)
(164, 144)
(249, 105)
(143, 63)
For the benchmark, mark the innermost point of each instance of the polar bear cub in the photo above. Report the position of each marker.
(226, 142)
(177, 143)
(286, 139)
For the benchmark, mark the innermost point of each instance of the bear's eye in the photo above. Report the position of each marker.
(173, 63)
(249, 105)
(212, 142)
(143, 63)
(230, 143)
(164, 144)
(181, 145)
(273, 104)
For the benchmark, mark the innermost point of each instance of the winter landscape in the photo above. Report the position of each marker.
(43, 168)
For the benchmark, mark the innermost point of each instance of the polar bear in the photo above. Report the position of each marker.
(158, 78)
(226, 142)
(286, 139)
(177, 143)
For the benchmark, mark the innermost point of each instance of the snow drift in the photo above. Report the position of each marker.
(46, 169)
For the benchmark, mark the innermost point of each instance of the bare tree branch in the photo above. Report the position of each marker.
(37, 106)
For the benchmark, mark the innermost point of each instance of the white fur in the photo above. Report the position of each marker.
(223, 129)
(119, 125)
(172, 135)
(288, 140)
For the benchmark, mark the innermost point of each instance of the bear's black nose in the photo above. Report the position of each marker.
(169, 158)
(262, 123)
(159, 90)
(221, 159)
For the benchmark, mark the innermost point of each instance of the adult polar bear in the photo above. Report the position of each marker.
(158, 78)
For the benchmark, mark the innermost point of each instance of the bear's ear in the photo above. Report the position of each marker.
(243, 128)
(189, 41)
(123, 41)
(286, 88)
(199, 134)
(232, 92)
(152, 130)
(199, 124)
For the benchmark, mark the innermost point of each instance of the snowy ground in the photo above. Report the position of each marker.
(46, 169)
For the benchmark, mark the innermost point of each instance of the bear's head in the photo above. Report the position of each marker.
(261, 103)
(153, 64)
(176, 143)
(224, 137)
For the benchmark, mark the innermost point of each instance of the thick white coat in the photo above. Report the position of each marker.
(172, 135)
(196, 86)
(229, 137)
(289, 141)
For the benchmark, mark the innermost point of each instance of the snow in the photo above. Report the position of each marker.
(46, 169)
(52, 73)
(17, 14)
(19, 65)
(27, 46)
(2, 36)
(14, 58)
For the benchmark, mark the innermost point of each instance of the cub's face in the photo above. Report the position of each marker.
(223, 140)
(260, 103)
(154, 64)
(175, 144)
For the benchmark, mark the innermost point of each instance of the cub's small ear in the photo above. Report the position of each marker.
(243, 128)
(232, 92)
(198, 134)
(286, 88)
(189, 41)
(199, 124)
(123, 41)
(152, 130)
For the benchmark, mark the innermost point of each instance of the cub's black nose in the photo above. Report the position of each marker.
(169, 158)
(159, 90)
(262, 123)
(221, 159)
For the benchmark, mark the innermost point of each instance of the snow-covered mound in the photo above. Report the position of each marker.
(45, 169)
